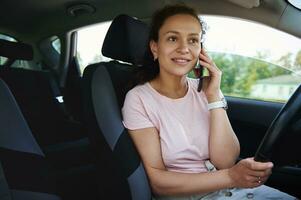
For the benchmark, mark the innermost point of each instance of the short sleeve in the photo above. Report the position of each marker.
(134, 113)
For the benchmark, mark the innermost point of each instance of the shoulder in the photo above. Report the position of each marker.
(137, 94)
(137, 91)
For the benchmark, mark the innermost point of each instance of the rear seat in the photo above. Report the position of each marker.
(24, 171)
(38, 95)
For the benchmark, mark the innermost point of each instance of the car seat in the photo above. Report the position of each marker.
(121, 173)
(24, 173)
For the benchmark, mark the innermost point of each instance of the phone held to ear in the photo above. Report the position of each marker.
(199, 72)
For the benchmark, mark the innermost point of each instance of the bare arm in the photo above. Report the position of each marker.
(164, 182)
(223, 144)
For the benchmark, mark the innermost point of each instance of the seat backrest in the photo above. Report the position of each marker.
(24, 173)
(37, 93)
(72, 90)
(14, 51)
(121, 172)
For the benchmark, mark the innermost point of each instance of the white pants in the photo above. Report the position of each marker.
(258, 193)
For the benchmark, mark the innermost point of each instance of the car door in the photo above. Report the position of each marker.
(250, 120)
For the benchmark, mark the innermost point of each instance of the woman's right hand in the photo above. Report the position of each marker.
(248, 173)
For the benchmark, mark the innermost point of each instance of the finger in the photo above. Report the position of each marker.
(209, 67)
(203, 51)
(257, 166)
(258, 178)
(205, 58)
(252, 179)
(208, 60)
(270, 164)
(254, 184)
(265, 173)
(260, 181)
(262, 166)
(264, 179)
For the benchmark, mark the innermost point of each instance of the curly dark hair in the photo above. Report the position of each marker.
(150, 67)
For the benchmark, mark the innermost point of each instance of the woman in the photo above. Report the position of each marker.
(181, 142)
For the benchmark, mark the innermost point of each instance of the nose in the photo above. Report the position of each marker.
(183, 47)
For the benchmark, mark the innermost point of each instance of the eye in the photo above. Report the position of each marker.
(172, 38)
(194, 41)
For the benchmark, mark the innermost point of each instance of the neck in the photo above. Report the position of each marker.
(172, 87)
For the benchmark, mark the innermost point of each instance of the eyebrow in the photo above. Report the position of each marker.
(176, 32)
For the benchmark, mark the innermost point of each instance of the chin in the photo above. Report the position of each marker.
(180, 73)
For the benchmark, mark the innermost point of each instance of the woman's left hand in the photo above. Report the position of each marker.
(211, 83)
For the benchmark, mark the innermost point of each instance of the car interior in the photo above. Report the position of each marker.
(61, 129)
(24, 170)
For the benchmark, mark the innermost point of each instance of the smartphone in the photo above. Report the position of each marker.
(199, 73)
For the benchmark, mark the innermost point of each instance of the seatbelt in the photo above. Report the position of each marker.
(4, 190)
(59, 98)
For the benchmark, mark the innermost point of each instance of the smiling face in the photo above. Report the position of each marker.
(178, 46)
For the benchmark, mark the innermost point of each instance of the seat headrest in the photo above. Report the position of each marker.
(126, 40)
(16, 50)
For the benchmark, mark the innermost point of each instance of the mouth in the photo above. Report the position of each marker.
(181, 61)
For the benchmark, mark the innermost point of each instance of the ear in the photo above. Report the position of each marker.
(154, 48)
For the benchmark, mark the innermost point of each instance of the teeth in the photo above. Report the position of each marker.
(181, 60)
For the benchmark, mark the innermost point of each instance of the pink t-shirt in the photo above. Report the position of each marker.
(182, 124)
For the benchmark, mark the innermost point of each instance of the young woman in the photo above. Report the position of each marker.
(183, 135)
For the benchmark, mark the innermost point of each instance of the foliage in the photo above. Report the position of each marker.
(297, 62)
(241, 73)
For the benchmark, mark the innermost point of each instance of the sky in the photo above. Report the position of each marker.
(90, 40)
(224, 34)
(249, 37)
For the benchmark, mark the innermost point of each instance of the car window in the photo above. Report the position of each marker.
(89, 44)
(253, 67)
(5, 37)
(258, 62)
(56, 44)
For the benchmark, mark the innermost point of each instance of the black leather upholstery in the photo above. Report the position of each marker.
(126, 40)
(15, 50)
(121, 172)
(23, 170)
(37, 94)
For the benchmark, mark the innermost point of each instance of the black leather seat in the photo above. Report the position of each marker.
(121, 173)
(24, 173)
(15, 51)
(38, 96)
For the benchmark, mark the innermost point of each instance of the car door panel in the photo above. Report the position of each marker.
(250, 120)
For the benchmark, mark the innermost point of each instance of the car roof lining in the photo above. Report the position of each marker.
(274, 13)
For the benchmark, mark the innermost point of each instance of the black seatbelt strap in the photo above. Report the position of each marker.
(58, 97)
